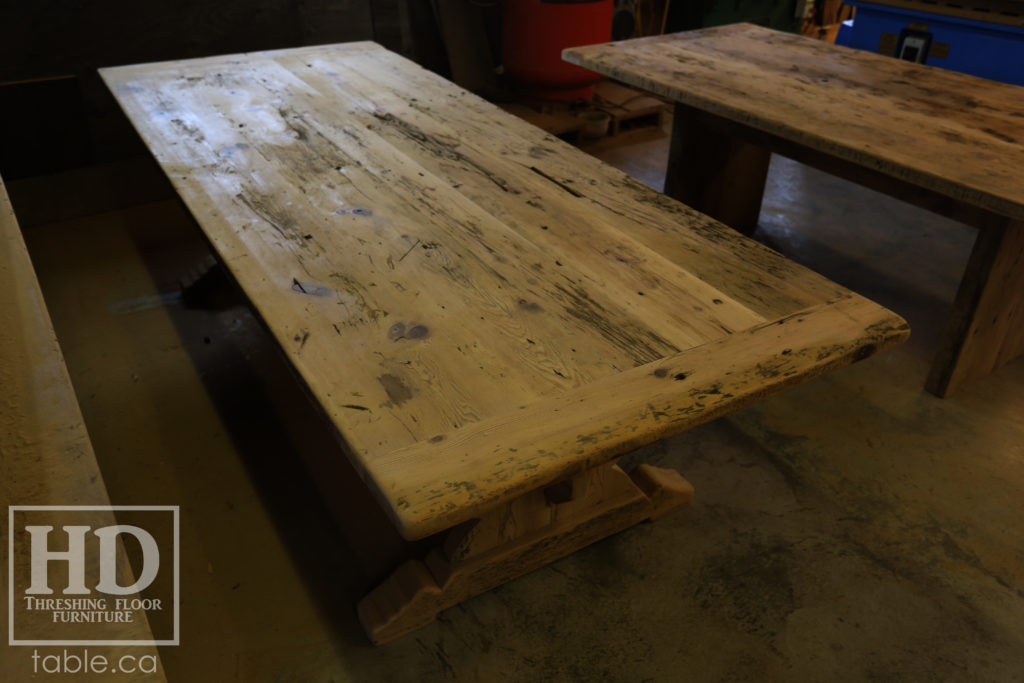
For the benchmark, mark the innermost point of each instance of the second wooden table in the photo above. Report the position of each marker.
(948, 142)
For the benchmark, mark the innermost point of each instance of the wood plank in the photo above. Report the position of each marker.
(748, 272)
(773, 285)
(446, 480)
(430, 265)
(955, 134)
(46, 457)
(986, 327)
(409, 283)
(671, 293)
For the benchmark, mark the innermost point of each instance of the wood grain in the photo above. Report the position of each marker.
(944, 141)
(704, 123)
(955, 134)
(498, 459)
(430, 265)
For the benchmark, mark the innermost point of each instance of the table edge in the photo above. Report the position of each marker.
(422, 486)
(1000, 205)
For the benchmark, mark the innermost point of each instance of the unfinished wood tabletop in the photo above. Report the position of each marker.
(479, 308)
(948, 132)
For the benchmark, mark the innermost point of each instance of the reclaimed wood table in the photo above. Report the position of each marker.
(489, 317)
(945, 141)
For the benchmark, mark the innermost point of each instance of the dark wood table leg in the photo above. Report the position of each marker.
(715, 172)
(717, 167)
(986, 327)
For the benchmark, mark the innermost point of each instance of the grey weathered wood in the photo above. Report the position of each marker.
(948, 132)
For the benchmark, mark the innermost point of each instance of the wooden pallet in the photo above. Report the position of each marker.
(627, 108)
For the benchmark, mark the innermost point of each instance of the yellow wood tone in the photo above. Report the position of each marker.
(45, 454)
(480, 309)
(514, 539)
(955, 134)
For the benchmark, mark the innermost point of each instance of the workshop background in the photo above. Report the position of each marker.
(856, 528)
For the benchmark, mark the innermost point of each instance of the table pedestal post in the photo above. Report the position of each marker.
(516, 538)
(714, 172)
(986, 326)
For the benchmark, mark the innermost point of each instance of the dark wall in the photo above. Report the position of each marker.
(55, 111)
(777, 14)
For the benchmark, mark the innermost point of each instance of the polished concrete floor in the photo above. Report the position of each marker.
(853, 529)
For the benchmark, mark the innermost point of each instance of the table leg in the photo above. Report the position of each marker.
(986, 327)
(714, 172)
(516, 538)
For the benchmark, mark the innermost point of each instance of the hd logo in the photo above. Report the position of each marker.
(42, 556)
(78, 579)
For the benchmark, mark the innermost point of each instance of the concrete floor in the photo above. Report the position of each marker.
(853, 529)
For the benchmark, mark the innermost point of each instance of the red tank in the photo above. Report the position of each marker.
(534, 33)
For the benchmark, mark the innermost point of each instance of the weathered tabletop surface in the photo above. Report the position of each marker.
(947, 141)
(480, 309)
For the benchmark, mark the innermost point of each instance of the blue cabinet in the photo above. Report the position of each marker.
(993, 50)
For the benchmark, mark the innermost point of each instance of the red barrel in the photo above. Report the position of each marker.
(534, 33)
